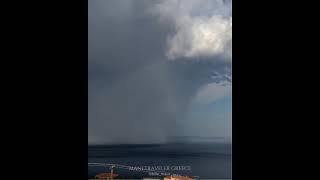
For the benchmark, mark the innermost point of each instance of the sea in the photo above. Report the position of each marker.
(204, 160)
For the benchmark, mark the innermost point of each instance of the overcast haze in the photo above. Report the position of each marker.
(159, 69)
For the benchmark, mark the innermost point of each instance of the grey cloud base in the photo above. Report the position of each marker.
(137, 95)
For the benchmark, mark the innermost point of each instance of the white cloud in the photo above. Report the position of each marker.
(203, 27)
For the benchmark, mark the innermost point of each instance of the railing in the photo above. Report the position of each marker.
(131, 168)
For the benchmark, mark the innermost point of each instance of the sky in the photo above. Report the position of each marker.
(158, 69)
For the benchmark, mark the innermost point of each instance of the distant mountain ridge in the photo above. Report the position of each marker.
(174, 139)
(193, 139)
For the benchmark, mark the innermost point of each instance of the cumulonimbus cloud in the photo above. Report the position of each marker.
(203, 28)
(131, 83)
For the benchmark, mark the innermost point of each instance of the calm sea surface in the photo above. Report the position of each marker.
(205, 160)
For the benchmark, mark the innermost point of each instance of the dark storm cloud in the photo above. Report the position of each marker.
(124, 43)
(135, 94)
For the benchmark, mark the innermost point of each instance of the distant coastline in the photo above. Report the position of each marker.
(171, 140)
